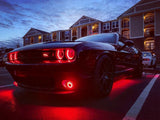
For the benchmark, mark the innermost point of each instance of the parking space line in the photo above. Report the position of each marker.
(137, 106)
(3, 86)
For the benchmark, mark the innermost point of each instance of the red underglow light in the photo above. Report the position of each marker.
(70, 53)
(59, 54)
(122, 85)
(15, 83)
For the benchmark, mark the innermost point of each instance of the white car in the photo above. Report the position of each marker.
(149, 59)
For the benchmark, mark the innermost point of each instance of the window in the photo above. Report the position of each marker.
(149, 45)
(31, 40)
(125, 23)
(106, 26)
(114, 24)
(149, 32)
(149, 18)
(95, 28)
(39, 38)
(67, 34)
(54, 36)
(74, 32)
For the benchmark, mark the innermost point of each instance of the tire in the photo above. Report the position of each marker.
(103, 76)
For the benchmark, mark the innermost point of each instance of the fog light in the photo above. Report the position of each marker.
(15, 83)
(67, 84)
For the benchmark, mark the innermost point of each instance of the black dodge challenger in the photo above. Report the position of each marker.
(88, 64)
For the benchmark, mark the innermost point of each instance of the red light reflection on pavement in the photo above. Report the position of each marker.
(11, 109)
(121, 85)
(7, 97)
(7, 105)
(71, 113)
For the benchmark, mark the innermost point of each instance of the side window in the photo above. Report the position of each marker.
(121, 45)
(135, 50)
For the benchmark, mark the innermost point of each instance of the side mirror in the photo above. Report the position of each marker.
(129, 43)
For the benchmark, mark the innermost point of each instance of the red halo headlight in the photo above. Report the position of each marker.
(59, 54)
(70, 54)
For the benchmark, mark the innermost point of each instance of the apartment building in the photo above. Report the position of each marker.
(35, 36)
(141, 23)
(110, 26)
(61, 35)
(85, 26)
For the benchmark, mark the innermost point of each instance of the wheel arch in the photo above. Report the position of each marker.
(109, 54)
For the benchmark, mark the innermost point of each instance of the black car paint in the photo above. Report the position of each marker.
(49, 76)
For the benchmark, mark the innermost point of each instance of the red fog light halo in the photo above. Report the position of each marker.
(67, 84)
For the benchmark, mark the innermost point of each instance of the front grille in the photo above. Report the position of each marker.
(34, 56)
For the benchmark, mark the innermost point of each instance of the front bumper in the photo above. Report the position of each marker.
(49, 77)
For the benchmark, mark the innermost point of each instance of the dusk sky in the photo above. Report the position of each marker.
(18, 16)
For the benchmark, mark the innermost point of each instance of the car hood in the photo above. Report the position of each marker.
(80, 45)
(47, 45)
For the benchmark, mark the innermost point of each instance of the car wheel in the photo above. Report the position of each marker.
(103, 76)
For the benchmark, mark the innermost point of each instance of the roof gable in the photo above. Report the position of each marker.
(141, 6)
(84, 20)
(33, 32)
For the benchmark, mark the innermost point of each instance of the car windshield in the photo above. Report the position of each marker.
(146, 54)
(108, 38)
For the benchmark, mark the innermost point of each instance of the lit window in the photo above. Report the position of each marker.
(149, 18)
(95, 28)
(149, 44)
(106, 26)
(39, 38)
(149, 31)
(125, 23)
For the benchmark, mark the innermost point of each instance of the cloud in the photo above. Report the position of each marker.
(6, 6)
(55, 14)
(12, 43)
(4, 25)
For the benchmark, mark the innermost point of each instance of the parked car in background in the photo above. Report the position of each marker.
(149, 59)
(88, 64)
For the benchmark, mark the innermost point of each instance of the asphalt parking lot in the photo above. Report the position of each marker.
(130, 99)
